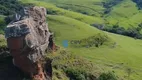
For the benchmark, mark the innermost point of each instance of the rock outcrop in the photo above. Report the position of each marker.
(28, 38)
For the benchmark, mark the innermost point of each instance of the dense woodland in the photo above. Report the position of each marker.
(139, 3)
(9, 7)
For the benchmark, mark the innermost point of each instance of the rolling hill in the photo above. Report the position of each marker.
(122, 12)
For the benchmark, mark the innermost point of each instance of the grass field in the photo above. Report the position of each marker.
(70, 29)
(123, 56)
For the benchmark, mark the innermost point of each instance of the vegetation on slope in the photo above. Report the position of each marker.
(75, 67)
(123, 13)
(67, 66)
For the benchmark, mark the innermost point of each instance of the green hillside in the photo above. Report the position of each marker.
(95, 7)
(122, 12)
(125, 55)
(66, 28)
(71, 19)
(52, 9)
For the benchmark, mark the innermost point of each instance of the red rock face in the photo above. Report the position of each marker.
(27, 39)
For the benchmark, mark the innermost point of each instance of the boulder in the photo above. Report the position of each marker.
(27, 39)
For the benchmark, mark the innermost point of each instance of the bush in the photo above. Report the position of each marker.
(78, 74)
(108, 76)
(53, 12)
(75, 74)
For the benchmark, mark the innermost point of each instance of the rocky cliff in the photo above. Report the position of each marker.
(28, 38)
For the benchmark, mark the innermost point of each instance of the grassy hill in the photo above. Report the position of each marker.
(95, 7)
(122, 12)
(71, 19)
(125, 55)
(52, 9)
(66, 28)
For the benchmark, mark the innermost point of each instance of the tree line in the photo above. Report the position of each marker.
(134, 32)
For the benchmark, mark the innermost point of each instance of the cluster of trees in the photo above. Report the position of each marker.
(139, 3)
(92, 41)
(134, 32)
(9, 7)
